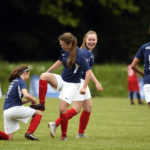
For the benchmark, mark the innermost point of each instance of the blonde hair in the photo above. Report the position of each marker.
(68, 38)
(85, 37)
(17, 72)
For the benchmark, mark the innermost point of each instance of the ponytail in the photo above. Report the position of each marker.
(70, 38)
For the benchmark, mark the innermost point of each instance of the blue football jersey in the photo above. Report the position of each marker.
(14, 93)
(144, 53)
(90, 57)
(73, 74)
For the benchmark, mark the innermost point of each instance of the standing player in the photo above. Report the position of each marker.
(143, 54)
(68, 83)
(13, 109)
(133, 85)
(89, 43)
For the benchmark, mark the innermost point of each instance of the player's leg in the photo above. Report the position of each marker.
(138, 97)
(4, 136)
(44, 79)
(131, 97)
(76, 108)
(33, 125)
(63, 118)
(84, 117)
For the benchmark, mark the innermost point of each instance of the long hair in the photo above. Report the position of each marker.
(17, 72)
(85, 37)
(70, 38)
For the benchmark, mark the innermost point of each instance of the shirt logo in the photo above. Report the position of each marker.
(148, 47)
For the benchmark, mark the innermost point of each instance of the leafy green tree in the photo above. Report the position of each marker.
(65, 11)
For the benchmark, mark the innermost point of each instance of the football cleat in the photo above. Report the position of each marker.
(63, 138)
(52, 128)
(80, 135)
(31, 137)
(38, 107)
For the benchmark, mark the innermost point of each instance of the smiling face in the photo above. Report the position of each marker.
(65, 46)
(91, 41)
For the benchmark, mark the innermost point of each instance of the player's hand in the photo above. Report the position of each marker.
(34, 102)
(83, 91)
(99, 87)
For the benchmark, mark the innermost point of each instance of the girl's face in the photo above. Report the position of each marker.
(65, 46)
(26, 75)
(91, 41)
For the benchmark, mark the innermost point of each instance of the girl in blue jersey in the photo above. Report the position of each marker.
(143, 54)
(13, 109)
(73, 60)
(89, 43)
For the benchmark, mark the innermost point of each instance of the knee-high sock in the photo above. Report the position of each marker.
(71, 112)
(84, 118)
(3, 136)
(34, 123)
(42, 91)
(64, 124)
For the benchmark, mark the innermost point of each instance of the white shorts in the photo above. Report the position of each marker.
(68, 91)
(82, 97)
(146, 89)
(60, 82)
(13, 115)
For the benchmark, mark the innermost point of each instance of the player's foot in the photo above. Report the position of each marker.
(31, 137)
(132, 103)
(38, 107)
(52, 128)
(80, 135)
(63, 138)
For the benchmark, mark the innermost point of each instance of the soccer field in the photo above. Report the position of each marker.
(114, 125)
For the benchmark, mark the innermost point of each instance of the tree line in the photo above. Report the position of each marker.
(29, 29)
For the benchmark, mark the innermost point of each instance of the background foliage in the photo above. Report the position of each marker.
(113, 77)
(29, 28)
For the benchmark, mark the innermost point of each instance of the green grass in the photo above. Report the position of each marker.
(114, 125)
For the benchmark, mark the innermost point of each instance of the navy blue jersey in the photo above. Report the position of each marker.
(73, 74)
(90, 57)
(144, 53)
(14, 93)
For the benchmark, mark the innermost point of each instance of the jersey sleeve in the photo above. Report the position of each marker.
(22, 85)
(140, 53)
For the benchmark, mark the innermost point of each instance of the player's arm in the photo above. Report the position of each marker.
(135, 67)
(97, 83)
(86, 81)
(56, 65)
(28, 97)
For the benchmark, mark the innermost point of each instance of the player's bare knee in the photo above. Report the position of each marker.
(62, 110)
(77, 109)
(38, 112)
